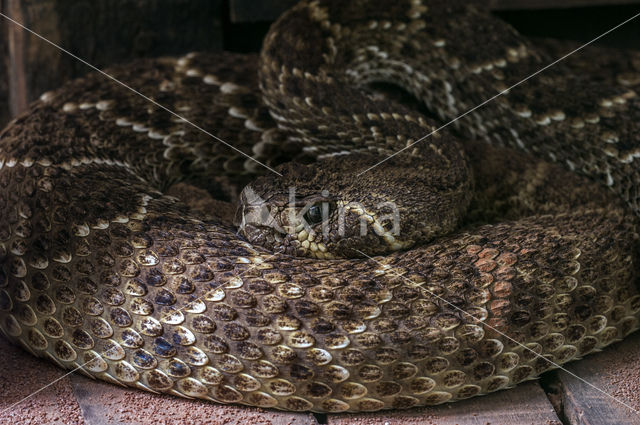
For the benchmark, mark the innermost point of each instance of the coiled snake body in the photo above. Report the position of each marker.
(103, 272)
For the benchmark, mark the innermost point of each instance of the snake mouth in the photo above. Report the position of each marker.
(269, 234)
(318, 226)
(284, 226)
(255, 222)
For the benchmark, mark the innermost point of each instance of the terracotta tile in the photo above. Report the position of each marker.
(20, 375)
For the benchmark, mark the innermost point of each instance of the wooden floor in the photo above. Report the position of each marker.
(610, 395)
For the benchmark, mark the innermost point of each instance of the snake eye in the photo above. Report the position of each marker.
(317, 212)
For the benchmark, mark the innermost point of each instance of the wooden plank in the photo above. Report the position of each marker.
(524, 404)
(579, 24)
(102, 32)
(551, 4)
(269, 10)
(252, 11)
(15, 66)
(615, 371)
(104, 404)
(20, 375)
(4, 63)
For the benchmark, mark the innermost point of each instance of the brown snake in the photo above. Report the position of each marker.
(508, 265)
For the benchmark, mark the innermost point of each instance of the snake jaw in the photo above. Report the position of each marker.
(346, 232)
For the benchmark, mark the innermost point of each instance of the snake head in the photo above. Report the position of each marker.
(328, 210)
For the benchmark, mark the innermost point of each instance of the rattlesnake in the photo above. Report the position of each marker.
(104, 273)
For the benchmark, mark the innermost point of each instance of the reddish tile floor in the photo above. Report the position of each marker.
(75, 399)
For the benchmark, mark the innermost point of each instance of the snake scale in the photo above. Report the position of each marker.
(506, 266)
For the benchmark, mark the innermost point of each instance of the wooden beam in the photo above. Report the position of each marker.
(15, 67)
(4, 68)
(102, 32)
(269, 10)
(253, 11)
(555, 4)
(616, 374)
